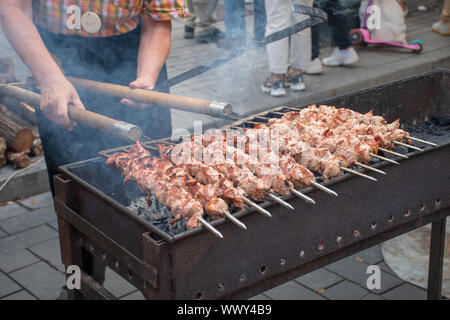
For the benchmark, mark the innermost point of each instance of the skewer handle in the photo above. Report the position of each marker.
(358, 173)
(153, 97)
(280, 201)
(257, 207)
(407, 145)
(210, 227)
(235, 220)
(119, 129)
(323, 188)
(423, 141)
(303, 196)
(383, 158)
(393, 153)
(362, 165)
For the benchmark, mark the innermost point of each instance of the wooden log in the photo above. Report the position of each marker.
(22, 110)
(2, 152)
(37, 149)
(18, 137)
(19, 160)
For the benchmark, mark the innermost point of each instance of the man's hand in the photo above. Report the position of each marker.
(57, 93)
(139, 83)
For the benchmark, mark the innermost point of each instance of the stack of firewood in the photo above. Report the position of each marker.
(19, 138)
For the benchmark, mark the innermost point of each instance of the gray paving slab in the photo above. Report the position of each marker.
(41, 280)
(21, 295)
(17, 260)
(319, 279)
(260, 297)
(3, 234)
(50, 252)
(24, 239)
(372, 296)
(345, 290)
(117, 285)
(406, 291)
(356, 271)
(38, 201)
(28, 220)
(11, 209)
(372, 255)
(7, 286)
(292, 291)
(54, 225)
(137, 295)
(383, 266)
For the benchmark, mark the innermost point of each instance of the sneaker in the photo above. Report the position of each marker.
(189, 32)
(315, 67)
(275, 88)
(441, 28)
(296, 82)
(341, 57)
(210, 37)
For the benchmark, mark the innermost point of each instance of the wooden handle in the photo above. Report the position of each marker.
(118, 128)
(153, 97)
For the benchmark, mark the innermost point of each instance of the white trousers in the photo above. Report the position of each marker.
(294, 51)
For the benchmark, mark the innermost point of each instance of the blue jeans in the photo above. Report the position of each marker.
(337, 20)
(235, 19)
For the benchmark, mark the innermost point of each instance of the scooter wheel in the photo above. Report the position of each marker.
(420, 43)
(357, 38)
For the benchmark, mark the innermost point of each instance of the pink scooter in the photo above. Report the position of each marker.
(361, 36)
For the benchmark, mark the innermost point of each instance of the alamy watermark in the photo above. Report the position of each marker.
(374, 280)
(74, 277)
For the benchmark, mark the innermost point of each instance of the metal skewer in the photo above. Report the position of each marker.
(358, 173)
(383, 158)
(255, 206)
(209, 227)
(303, 196)
(423, 141)
(280, 201)
(323, 188)
(407, 145)
(393, 153)
(362, 165)
(235, 220)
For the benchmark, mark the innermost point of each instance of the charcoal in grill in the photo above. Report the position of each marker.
(154, 212)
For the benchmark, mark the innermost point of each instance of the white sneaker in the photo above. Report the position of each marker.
(315, 67)
(341, 57)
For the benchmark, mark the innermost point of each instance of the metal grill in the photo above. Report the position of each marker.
(91, 204)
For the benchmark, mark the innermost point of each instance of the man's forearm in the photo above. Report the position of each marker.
(154, 49)
(21, 32)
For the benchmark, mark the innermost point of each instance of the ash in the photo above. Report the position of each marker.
(436, 130)
(157, 214)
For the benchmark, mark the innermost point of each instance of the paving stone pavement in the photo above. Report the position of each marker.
(31, 268)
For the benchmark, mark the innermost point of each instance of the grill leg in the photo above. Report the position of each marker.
(70, 254)
(93, 267)
(436, 262)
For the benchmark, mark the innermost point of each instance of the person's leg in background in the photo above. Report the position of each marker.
(278, 17)
(344, 54)
(235, 35)
(206, 31)
(189, 22)
(442, 26)
(260, 20)
(300, 52)
(315, 67)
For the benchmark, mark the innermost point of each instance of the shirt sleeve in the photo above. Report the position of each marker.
(164, 10)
